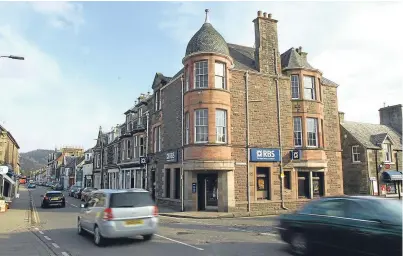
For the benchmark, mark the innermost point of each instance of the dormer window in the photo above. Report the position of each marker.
(201, 74)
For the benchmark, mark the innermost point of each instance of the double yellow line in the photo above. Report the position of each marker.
(34, 214)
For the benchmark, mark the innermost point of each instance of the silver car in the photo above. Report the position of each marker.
(118, 214)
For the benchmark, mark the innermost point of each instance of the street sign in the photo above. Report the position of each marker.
(143, 160)
(295, 154)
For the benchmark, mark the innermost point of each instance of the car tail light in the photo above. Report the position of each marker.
(155, 211)
(108, 215)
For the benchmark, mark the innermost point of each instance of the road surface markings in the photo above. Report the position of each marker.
(74, 205)
(40, 232)
(179, 242)
(47, 238)
(36, 229)
(55, 245)
(65, 254)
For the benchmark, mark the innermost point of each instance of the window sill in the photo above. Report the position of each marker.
(206, 88)
(358, 162)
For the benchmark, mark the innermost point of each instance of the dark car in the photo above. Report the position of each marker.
(86, 193)
(352, 225)
(73, 190)
(53, 198)
(58, 187)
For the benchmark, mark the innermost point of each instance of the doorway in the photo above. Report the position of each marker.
(207, 195)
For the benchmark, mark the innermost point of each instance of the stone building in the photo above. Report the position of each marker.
(372, 154)
(9, 157)
(242, 128)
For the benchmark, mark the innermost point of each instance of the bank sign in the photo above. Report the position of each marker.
(171, 157)
(265, 155)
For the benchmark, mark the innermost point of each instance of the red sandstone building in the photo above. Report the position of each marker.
(259, 129)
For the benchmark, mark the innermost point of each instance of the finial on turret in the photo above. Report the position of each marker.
(207, 19)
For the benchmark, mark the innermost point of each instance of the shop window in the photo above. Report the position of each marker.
(262, 183)
(168, 183)
(138, 178)
(303, 184)
(177, 183)
(317, 186)
(287, 179)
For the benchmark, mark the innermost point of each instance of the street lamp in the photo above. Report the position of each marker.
(13, 57)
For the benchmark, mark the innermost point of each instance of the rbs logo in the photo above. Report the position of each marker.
(265, 154)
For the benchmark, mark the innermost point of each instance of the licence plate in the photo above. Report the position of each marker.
(54, 199)
(134, 222)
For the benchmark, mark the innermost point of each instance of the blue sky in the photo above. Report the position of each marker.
(87, 62)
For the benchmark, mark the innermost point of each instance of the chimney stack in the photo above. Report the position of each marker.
(267, 53)
(341, 117)
(392, 116)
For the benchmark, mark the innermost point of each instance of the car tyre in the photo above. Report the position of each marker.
(299, 244)
(99, 240)
(148, 237)
(80, 230)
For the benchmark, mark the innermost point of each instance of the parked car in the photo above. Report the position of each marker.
(118, 214)
(31, 185)
(58, 187)
(73, 189)
(86, 193)
(53, 198)
(356, 225)
(49, 184)
(77, 194)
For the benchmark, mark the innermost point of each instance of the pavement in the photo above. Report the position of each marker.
(16, 238)
(253, 236)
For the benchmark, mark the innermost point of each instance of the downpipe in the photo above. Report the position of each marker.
(247, 137)
(279, 131)
(182, 151)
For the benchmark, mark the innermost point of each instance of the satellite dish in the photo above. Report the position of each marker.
(3, 169)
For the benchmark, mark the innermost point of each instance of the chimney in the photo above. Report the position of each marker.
(266, 44)
(392, 116)
(341, 117)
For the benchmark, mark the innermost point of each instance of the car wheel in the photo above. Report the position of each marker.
(80, 231)
(299, 244)
(148, 237)
(99, 240)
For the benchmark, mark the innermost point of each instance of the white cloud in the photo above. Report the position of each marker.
(42, 106)
(355, 44)
(61, 14)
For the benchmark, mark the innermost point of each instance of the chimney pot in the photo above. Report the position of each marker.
(265, 14)
(269, 15)
(300, 49)
(259, 13)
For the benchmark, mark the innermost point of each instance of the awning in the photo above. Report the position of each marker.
(392, 175)
(8, 179)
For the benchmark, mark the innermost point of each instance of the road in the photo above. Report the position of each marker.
(56, 227)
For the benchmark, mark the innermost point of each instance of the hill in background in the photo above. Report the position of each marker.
(33, 160)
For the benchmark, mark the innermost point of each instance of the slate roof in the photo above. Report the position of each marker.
(207, 39)
(371, 135)
(243, 56)
(292, 59)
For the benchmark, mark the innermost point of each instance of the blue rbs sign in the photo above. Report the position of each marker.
(265, 155)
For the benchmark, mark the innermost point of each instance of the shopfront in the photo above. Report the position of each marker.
(133, 178)
(391, 183)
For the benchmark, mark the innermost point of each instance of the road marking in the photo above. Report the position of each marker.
(40, 232)
(65, 254)
(268, 234)
(74, 205)
(179, 242)
(47, 238)
(37, 229)
(55, 245)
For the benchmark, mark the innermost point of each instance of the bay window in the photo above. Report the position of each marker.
(297, 131)
(309, 88)
(221, 125)
(201, 74)
(294, 86)
(220, 75)
(312, 132)
(187, 125)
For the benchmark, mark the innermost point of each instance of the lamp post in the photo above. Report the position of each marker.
(13, 57)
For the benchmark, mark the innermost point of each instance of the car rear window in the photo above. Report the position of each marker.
(54, 194)
(130, 199)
